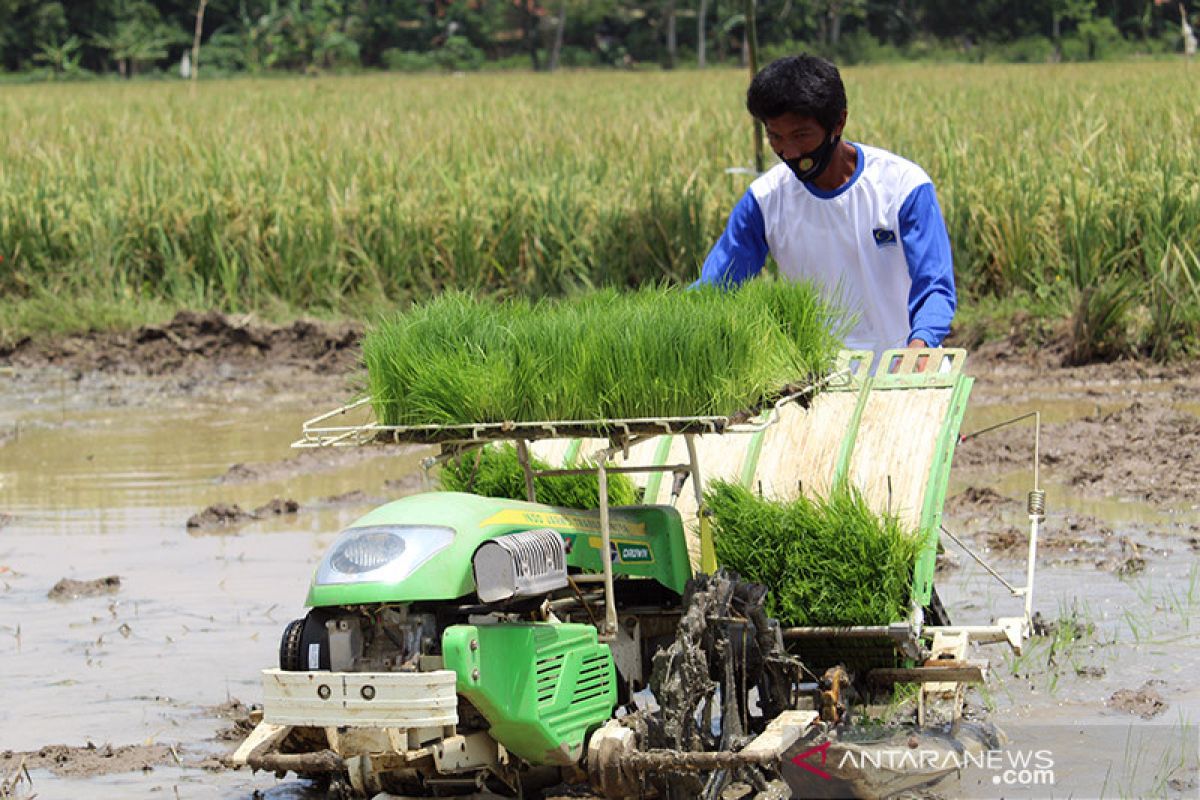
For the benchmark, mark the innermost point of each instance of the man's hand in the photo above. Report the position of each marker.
(922, 361)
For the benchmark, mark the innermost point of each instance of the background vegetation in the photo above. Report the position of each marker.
(130, 37)
(1070, 192)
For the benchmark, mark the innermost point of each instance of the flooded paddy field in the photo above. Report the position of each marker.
(135, 686)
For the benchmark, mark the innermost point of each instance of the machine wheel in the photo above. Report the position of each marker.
(935, 612)
(290, 649)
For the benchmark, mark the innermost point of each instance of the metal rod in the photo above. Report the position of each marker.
(322, 761)
(315, 435)
(852, 632)
(998, 426)
(979, 560)
(613, 469)
(1037, 446)
(523, 457)
(610, 605)
(983, 634)
(1034, 525)
(1035, 515)
(694, 468)
(690, 761)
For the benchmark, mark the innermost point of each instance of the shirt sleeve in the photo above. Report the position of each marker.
(742, 249)
(932, 299)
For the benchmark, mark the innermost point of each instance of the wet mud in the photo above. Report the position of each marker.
(194, 343)
(92, 484)
(69, 589)
(226, 515)
(303, 462)
(90, 759)
(1139, 451)
(1145, 701)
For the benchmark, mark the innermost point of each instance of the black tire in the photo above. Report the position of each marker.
(291, 647)
(935, 612)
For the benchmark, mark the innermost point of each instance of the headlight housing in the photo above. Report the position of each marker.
(381, 553)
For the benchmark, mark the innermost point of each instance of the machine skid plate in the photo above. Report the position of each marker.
(404, 700)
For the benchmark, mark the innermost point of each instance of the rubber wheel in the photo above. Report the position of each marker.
(935, 612)
(290, 647)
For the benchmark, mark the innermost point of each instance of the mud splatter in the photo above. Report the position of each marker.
(1145, 702)
(237, 718)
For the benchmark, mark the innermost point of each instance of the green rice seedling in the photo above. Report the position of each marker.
(827, 561)
(654, 352)
(495, 471)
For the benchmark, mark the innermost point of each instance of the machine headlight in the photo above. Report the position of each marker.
(367, 550)
(381, 553)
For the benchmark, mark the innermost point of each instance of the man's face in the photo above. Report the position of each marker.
(792, 135)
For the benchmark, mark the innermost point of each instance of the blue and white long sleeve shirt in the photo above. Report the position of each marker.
(876, 246)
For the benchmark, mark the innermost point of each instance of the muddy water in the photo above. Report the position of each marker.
(1136, 631)
(93, 492)
(104, 487)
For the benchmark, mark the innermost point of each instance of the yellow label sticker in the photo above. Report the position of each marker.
(587, 523)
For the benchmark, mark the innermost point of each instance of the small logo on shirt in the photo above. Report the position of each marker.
(884, 237)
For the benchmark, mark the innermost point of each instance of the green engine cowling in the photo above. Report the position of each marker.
(432, 538)
(541, 686)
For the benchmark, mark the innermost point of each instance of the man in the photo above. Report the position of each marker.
(861, 223)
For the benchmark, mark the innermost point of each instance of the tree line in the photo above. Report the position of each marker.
(131, 37)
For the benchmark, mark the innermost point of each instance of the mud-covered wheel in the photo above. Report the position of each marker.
(290, 648)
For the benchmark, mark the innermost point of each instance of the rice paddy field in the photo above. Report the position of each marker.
(1069, 191)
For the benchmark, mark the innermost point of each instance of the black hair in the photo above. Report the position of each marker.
(806, 85)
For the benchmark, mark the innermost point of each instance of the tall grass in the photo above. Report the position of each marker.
(348, 195)
(655, 352)
(828, 561)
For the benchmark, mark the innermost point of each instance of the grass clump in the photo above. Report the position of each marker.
(496, 472)
(826, 561)
(653, 352)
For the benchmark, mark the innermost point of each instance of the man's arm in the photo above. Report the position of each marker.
(741, 251)
(932, 299)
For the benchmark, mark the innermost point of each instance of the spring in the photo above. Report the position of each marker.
(1037, 503)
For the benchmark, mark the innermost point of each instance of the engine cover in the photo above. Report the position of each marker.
(541, 686)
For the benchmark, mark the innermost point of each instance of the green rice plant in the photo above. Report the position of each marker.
(654, 352)
(495, 471)
(1174, 303)
(1100, 319)
(346, 195)
(826, 561)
